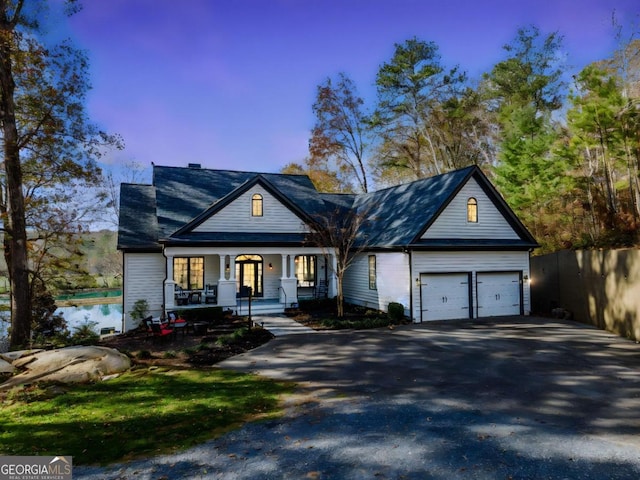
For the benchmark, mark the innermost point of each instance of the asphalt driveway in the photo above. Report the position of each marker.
(514, 398)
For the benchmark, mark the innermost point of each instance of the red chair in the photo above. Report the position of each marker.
(160, 331)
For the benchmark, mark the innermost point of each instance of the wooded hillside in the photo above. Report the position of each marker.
(562, 146)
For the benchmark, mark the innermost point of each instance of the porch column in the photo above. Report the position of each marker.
(289, 290)
(292, 266)
(169, 287)
(223, 264)
(227, 288)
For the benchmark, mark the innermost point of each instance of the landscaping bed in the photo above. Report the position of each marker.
(321, 315)
(222, 339)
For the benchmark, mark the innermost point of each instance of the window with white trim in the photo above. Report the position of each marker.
(472, 210)
(372, 272)
(256, 205)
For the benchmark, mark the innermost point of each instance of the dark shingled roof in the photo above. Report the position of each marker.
(396, 215)
(182, 198)
(138, 227)
(183, 194)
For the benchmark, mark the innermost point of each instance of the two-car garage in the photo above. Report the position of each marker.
(445, 296)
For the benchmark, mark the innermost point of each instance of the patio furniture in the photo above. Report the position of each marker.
(181, 297)
(199, 328)
(195, 296)
(178, 324)
(211, 294)
(160, 331)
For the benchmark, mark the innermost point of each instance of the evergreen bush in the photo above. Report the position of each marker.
(395, 311)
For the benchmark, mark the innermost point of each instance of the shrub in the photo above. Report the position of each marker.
(140, 310)
(232, 337)
(85, 334)
(315, 304)
(395, 311)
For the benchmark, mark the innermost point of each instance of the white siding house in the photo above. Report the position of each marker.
(390, 283)
(444, 247)
(143, 275)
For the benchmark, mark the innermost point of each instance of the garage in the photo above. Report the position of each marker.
(498, 293)
(445, 296)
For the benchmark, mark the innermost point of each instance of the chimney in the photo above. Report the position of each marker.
(195, 165)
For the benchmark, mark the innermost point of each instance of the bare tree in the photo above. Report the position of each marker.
(341, 136)
(340, 232)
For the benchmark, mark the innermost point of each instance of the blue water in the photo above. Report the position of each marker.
(104, 316)
(101, 316)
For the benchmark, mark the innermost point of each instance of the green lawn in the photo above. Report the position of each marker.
(142, 413)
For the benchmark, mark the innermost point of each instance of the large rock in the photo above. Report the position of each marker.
(6, 367)
(68, 365)
(16, 354)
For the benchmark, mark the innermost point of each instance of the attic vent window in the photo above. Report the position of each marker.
(472, 210)
(256, 205)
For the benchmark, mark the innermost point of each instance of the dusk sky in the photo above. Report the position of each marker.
(230, 83)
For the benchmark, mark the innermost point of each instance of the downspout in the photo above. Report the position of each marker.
(407, 250)
(122, 318)
(164, 282)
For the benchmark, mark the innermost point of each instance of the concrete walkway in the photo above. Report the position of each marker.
(280, 325)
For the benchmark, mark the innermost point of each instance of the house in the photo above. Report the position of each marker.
(445, 247)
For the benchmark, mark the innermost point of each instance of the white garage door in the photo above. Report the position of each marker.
(498, 294)
(444, 296)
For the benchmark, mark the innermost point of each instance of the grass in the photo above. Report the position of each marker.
(142, 413)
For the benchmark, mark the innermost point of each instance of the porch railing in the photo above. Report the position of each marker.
(285, 296)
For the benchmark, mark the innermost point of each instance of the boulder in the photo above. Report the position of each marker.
(68, 365)
(13, 356)
(6, 367)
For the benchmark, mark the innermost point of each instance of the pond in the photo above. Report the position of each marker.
(107, 315)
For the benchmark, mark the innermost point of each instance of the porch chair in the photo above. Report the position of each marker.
(160, 331)
(181, 297)
(210, 293)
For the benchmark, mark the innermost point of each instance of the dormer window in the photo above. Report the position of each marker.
(472, 210)
(256, 205)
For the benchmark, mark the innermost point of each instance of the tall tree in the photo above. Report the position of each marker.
(603, 146)
(526, 89)
(341, 136)
(411, 86)
(49, 146)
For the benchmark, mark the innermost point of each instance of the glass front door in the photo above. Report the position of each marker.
(249, 274)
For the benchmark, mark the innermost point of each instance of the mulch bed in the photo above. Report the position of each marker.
(187, 350)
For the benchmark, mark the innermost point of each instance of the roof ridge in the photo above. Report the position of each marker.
(423, 179)
(223, 170)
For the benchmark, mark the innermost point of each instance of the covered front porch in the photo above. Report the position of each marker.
(225, 277)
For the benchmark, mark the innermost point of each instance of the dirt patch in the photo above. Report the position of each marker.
(189, 349)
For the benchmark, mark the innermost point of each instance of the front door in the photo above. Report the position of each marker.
(249, 274)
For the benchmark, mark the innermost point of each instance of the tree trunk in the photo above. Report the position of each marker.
(340, 296)
(14, 221)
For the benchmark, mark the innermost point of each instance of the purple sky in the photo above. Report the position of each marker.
(230, 83)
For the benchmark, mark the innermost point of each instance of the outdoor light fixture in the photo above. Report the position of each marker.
(270, 267)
